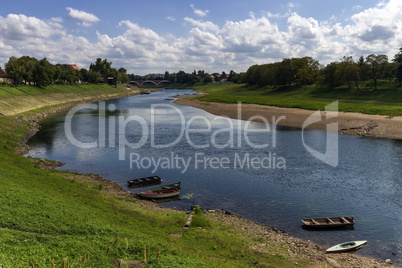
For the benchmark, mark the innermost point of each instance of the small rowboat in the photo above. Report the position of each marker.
(165, 191)
(334, 222)
(347, 246)
(144, 181)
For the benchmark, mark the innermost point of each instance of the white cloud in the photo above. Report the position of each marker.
(86, 19)
(171, 18)
(303, 28)
(199, 12)
(234, 45)
(203, 25)
(250, 35)
(21, 27)
(376, 30)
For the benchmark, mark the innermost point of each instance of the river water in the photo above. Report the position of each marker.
(258, 171)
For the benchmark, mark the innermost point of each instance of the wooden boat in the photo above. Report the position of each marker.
(145, 92)
(165, 191)
(347, 246)
(334, 222)
(144, 181)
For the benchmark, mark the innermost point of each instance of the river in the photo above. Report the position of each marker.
(261, 172)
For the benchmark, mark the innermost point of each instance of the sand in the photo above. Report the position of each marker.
(378, 126)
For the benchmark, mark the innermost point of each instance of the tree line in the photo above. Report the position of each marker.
(30, 71)
(181, 77)
(364, 72)
(305, 71)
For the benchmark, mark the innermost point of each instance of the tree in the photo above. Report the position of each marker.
(94, 77)
(207, 79)
(348, 71)
(304, 76)
(21, 69)
(43, 73)
(167, 76)
(233, 77)
(14, 70)
(398, 61)
(284, 74)
(104, 68)
(328, 75)
(122, 76)
(377, 64)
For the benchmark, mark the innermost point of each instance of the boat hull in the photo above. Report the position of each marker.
(333, 222)
(144, 181)
(165, 191)
(160, 194)
(346, 246)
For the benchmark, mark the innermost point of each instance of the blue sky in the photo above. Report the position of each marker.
(158, 36)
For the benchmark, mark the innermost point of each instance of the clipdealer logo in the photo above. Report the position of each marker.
(331, 154)
(237, 135)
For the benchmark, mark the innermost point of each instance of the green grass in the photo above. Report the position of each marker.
(382, 101)
(14, 100)
(56, 218)
(10, 91)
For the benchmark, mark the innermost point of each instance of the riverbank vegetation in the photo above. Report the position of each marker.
(31, 71)
(370, 85)
(382, 102)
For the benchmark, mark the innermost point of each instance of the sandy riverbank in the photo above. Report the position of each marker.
(348, 123)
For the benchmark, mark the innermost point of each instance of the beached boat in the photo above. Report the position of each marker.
(165, 191)
(145, 92)
(347, 246)
(334, 222)
(144, 181)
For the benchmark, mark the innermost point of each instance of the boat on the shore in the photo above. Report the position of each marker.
(144, 181)
(145, 92)
(333, 222)
(347, 246)
(165, 191)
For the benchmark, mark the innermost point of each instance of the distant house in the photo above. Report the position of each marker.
(4, 77)
(75, 67)
(219, 77)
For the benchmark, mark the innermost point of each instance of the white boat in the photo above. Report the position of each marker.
(347, 246)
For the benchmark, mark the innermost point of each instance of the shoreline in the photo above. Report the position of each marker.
(297, 248)
(376, 126)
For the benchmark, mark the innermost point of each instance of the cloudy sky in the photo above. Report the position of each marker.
(215, 36)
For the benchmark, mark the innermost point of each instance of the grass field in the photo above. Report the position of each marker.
(382, 101)
(52, 218)
(19, 99)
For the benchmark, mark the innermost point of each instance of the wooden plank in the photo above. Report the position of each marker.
(330, 221)
(314, 222)
(345, 220)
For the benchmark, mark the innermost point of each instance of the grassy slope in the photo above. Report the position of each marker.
(382, 101)
(25, 98)
(51, 216)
